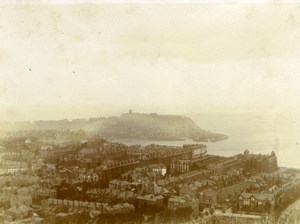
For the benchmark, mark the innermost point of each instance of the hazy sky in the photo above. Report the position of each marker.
(68, 61)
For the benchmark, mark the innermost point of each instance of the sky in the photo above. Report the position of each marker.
(81, 60)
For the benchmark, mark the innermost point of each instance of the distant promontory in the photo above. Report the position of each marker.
(153, 127)
(127, 126)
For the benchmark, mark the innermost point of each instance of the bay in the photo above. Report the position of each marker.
(257, 132)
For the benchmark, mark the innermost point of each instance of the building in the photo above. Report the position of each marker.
(177, 202)
(47, 193)
(20, 200)
(208, 197)
(260, 163)
(120, 185)
(180, 165)
(226, 165)
(261, 202)
(198, 151)
(88, 177)
(115, 169)
(150, 203)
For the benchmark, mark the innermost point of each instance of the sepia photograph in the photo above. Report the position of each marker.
(149, 112)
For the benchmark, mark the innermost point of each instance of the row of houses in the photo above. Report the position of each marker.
(102, 208)
(11, 166)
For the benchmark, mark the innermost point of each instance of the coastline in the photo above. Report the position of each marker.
(164, 141)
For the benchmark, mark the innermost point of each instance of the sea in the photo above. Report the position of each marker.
(257, 132)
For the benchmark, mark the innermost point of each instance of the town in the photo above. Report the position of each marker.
(65, 177)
